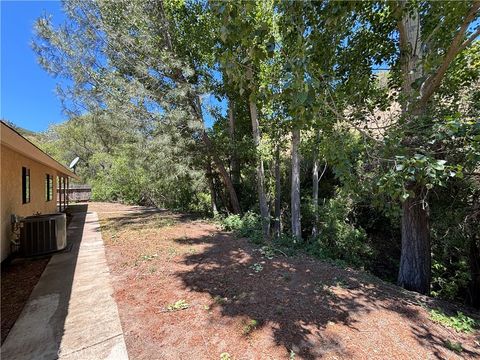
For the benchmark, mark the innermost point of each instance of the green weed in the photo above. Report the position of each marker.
(225, 356)
(454, 346)
(249, 327)
(459, 322)
(257, 267)
(292, 355)
(267, 252)
(249, 225)
(179, 305)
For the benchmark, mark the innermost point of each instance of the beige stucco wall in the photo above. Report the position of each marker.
(11, 191)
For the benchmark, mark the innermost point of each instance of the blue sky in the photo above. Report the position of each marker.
(28, 96)
(27, 92)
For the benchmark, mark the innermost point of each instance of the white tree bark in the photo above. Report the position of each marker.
(295, 192)
(211, 185)
(234, 165)
(315, 195)
(277, 229)
(411, 56)
(262, 198)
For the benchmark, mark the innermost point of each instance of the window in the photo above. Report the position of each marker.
(25, 185)
(48, 187)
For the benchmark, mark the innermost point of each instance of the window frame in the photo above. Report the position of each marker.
(26, 185)
(48, 187)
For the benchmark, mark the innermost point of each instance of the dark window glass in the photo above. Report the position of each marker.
(25, 185)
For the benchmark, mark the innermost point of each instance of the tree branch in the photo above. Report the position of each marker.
(470, 39)
(433, 82)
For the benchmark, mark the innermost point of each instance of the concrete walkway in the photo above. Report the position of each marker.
(71, 313)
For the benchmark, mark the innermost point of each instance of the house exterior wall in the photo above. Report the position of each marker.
(11, 191)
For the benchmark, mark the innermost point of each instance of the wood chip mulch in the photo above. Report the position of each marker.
(18, 280)
(187, 290)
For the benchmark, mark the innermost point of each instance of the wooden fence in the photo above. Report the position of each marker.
(78, 192)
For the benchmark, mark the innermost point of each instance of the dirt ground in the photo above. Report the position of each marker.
(235, 303)
(18, 280)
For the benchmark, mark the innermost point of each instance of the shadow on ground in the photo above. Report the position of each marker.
(298, 303)
(298, 297)
(138, 218)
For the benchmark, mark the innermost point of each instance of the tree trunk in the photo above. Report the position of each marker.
(415, 222)
(227, 181)
(474, 259)
(234, 164)
(315, 195)
(474, 253)
(295, 195)
(277, 225)
(223, 173)
(213, 198)
(414, 273)
(264, 211)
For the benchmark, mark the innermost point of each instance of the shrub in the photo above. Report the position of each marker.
(201, 205)
(249, 225)
(339, 238)
(448, 282)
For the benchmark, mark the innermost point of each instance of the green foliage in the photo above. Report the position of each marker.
(453, 239)
(178, 305)
(459, 322)
(248, 225)
(232, 222)
(268, 252)
(339, 238)
(199, 203)
(225, 356)
(257, 267)
(421, 169)
(144, 78)
(250, 326)
(447, 284)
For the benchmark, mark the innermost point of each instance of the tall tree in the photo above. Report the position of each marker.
(257, 139)
(418, 86)
(316, 177)
(277, 224)
(132, 55)
(295, 194)
(246, 43)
